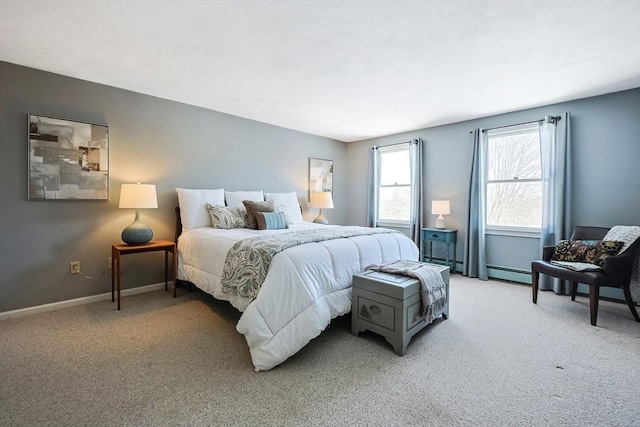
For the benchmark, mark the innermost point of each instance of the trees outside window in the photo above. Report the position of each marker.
(514, 179)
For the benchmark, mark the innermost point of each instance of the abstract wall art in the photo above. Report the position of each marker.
(320, 176)
(68, 160)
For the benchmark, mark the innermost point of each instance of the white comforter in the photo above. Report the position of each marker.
(306, 287)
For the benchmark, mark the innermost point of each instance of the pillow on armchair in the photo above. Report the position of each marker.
(588, 251)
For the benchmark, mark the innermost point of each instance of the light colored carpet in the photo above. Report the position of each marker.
(498, 360)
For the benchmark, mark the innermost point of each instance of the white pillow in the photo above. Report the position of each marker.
(288, 204)
(193, 206)
(235, 198)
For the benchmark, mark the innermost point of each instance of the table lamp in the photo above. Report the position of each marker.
(138, 196)
(321, 201)
(440, 207)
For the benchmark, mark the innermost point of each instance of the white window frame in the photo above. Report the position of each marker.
(385, 150)
(514, 231)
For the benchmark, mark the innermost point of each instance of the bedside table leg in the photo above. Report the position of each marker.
(113, 272)
(454, 259)
(175, 270)
(117, 272)
(166, 269)
(448, 252)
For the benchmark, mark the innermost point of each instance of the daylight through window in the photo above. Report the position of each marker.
(514, 178)
(394, 184)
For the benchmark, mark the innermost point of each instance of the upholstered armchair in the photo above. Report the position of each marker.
(616, 271)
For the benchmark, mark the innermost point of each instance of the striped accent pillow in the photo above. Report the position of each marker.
(271, 220)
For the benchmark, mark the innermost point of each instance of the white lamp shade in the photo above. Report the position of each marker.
(440, 207)
(138, 196)
(321, 200)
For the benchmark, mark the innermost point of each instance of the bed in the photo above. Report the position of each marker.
(305, 287)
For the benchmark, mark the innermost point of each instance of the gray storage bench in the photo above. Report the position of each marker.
(391, 306)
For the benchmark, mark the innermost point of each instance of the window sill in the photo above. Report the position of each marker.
(390, 224)
(513, 232)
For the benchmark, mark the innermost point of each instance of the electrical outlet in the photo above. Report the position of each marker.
(74, 267)
(108, 263)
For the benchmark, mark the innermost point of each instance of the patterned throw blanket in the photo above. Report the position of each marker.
(248, 261)
(628, 234)
(432, 288)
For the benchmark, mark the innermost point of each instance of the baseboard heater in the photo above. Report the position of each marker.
(497, 272)
(509, 274)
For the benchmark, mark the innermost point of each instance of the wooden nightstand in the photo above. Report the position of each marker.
(448, 237)
(155, 245)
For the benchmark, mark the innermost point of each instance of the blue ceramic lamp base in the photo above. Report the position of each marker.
(137, 233)
(320, 219)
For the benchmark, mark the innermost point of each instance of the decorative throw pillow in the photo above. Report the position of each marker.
(287, 203)
(227, 217)
(591, 251)
(253, 207)
(271, 220)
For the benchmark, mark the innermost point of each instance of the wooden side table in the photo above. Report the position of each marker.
(118, 251)
(448, 237)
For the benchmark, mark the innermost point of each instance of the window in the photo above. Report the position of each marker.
(394, 185)
(514, 179)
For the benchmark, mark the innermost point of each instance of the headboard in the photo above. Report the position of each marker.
(178, 224)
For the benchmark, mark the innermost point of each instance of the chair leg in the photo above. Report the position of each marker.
(535, 275)
(594, 295)
(574, 289)
(632, 307)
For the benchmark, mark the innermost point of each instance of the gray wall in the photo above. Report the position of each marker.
(151, 140)
(176, 145)
(606, 169)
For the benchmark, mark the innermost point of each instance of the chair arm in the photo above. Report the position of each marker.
(547, 252)
(618, 269)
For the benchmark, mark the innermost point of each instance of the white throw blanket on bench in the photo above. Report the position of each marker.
(433, 290)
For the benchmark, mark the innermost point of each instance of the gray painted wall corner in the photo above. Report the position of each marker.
(151, 140)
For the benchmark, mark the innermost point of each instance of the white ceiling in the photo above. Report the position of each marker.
(347, 70)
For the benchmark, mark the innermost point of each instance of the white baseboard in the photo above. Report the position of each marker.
(78, 301)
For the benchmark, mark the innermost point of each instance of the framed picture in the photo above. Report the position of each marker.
(320, 176)
(68, 160)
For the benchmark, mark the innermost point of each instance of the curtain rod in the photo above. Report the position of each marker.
(551, 119)
(413, 141)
